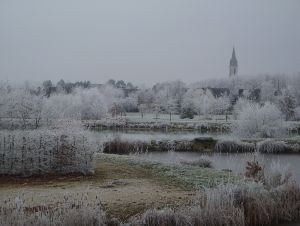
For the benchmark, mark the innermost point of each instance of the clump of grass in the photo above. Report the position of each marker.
(119, 146)
(164, 217)
(274, 147)
(201, 162)
(233, 146)
(74, 209)
(278, 174)
(215, 208)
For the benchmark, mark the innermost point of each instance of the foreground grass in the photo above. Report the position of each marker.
(185, 176)
(125, 185)
(148, 193)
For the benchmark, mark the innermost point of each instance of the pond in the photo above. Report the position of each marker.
(234, 162)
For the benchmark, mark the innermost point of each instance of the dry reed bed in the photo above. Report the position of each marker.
(265, 146)
(246, 204)
(121, 146)
(204, 144)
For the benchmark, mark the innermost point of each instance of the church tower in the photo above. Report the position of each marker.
(233, 66)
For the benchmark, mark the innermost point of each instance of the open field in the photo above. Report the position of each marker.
(124, 185)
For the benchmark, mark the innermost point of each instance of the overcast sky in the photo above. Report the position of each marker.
(146, 41)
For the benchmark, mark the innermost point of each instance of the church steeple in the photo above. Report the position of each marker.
(233, 65)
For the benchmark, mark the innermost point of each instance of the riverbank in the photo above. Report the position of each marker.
(204, 145)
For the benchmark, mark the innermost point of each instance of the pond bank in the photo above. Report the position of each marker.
(202, 145)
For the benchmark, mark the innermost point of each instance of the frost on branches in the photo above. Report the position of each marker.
(254, 120)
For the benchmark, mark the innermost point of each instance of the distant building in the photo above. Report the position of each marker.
(233, 65)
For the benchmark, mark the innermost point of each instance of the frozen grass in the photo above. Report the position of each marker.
(246, 203)
(233, 146)
(151, 117)
(274, 147)
(157, 124)
(201, 162)
(46, 151)
(74, 209)
(123, 146)
(188, 177)
(164, 217)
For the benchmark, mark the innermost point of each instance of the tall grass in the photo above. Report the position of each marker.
(121, 146)
(233, 146)
(249, 203)
(274, 147)
(164, 217)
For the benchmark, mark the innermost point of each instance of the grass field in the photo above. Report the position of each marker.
(126, 186)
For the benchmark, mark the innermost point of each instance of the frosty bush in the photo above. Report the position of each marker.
(45, 151)
(255, 120)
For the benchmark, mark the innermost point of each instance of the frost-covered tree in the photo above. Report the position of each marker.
(287, 105)
(21, 105)
(61, 86)
(254, 120)
(130, 103)
(220, 105)
(267, 91)
(241, 104)
(297, 113)
(47, 87)
(120, 84)
(91, 104)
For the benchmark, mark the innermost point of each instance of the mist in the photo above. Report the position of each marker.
(146, 41)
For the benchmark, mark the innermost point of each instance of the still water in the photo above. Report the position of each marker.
(234, 162)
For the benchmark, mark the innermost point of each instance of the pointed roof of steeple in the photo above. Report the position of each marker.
(233, 60)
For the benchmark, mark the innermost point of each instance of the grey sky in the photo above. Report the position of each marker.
(146, 41)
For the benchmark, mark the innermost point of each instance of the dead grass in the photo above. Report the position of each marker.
(125, 188)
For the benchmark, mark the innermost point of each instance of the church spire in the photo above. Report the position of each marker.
(233, 65)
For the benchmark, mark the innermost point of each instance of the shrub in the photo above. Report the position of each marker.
(45, 151)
